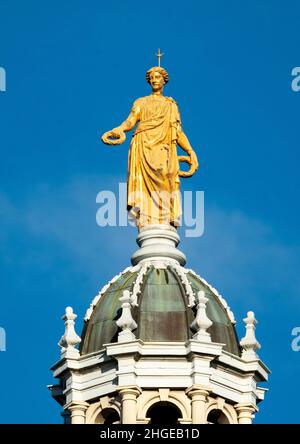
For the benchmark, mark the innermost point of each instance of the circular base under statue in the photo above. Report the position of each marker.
(158, 242)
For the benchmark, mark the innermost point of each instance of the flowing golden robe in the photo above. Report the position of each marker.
(153, 182)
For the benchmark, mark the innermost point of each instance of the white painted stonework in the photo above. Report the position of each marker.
(126, 378)
(158, 242)
(162, 366)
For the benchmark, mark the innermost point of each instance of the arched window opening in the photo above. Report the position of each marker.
(163, 413)
(108, 416)
(216, 416)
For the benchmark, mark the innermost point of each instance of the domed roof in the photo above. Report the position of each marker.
(163, 300)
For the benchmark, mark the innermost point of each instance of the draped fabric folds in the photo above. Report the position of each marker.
(153, 182)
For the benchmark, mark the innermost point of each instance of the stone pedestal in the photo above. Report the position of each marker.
(158, 242)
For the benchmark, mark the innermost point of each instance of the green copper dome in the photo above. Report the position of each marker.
(162, 313)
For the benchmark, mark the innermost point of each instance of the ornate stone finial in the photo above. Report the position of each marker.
(249, 342)
(70, 338)
(201, 322)
(159, 56)
(126, 321)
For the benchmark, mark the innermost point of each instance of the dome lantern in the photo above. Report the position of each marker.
(158, 337)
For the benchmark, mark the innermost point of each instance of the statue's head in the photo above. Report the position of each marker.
(157, 77)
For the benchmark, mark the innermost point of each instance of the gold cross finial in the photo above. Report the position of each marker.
(159, 55)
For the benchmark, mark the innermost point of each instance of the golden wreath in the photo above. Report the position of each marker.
(110, 139)
(188, 173)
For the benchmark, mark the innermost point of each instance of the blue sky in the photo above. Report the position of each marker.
(73, 70)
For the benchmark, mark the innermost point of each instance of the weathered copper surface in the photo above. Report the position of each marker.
(162, 314)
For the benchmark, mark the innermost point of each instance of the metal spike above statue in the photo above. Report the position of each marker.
(153, 186)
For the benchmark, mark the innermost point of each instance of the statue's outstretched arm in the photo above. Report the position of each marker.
(116, 136)
(129, 123)
(184, 143)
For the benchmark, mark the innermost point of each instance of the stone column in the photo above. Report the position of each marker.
(198, 395)
(245, 413)
(77, 410)
(129, 396)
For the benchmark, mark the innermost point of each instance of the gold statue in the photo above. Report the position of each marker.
(153, 195)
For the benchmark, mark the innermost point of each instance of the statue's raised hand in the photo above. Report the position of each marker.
(115, 136)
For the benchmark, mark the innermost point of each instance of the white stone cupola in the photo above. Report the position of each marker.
(158, 342)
